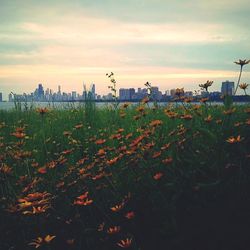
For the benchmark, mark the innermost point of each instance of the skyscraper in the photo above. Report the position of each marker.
(227, 88)
(40, 91)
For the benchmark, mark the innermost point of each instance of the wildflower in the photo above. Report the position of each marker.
(247, 110)
(219, 121)
(167, 160)
(78, 126)
(42, 111)
(156, 155)
(130, 215)
(243, 86)
(113, 161)
(100, 141)
(5, 169)
(187, 117)
(83, 200)
(67, 133)
(140, 109)
(229, 111)
(208, 119)
(232, 139)
(166, 146)
(37, 210)
(42, 170)
(158, 176)
(125, 105)
(125, 243)
(41, 241)
(242, 62)
(145, 100)
(118, 207)
(19, 135)
(114, 230)
(155, 123)
(206, 85)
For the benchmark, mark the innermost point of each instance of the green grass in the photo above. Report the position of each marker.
(202, 189)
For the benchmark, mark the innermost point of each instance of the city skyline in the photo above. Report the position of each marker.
(44, 94)
(168, 43)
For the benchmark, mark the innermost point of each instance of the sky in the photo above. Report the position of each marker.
(168, 43)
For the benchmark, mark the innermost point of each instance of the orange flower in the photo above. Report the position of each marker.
(186, 117)
(19, 135)
(118, 207)
(155, 123)
(100, 141)
(78, 126)
(125, 243)
(166, 146)
(130, 215)
(229, 111)
(125, 105)
(158, 176)
(41, 241)
(232, 139)
(37, 210)
(208, 119)
(5, 169)
(156, 155)
(167, 160)
(42, 170)
(140, 109)
(114, 230)
(113, 161)
(83, 200)
(145, 100)
(42, 111)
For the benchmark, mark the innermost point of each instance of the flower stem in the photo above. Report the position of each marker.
(238, 80)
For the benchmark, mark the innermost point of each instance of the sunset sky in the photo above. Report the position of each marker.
(168, 43)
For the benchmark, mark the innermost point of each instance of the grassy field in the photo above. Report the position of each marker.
(135, 177)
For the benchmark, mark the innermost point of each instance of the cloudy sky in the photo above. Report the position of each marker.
(169, 43)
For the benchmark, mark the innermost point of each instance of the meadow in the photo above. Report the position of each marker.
(126, 177)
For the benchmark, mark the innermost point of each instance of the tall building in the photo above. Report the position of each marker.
(227, 88)
(126, 94)
(74, 95)
(92, 91)
(40, 91)
(1, 97)
(172, 92)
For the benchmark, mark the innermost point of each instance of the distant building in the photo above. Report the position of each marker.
(1, 97)
(11, 97)
(172, 92)
(40, 91)
(74, 95)
(227, 88)
(188, 93)
(126, 94)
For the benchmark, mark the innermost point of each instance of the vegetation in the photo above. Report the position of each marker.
(173, 177)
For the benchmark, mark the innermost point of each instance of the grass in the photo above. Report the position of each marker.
(132, 177)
